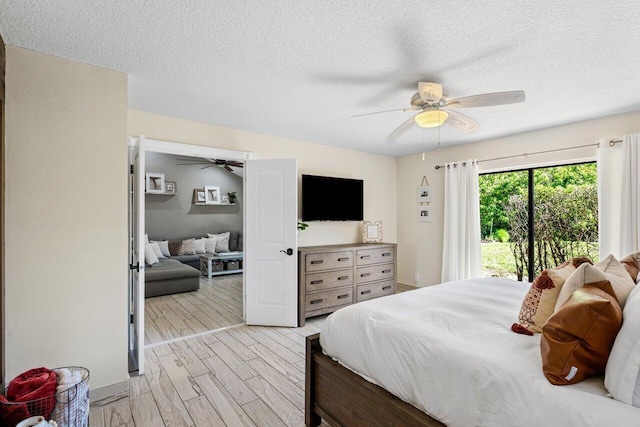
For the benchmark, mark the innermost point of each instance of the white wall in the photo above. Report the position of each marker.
(420, 244)
(173, 217)
(378, 172)
(66, 217)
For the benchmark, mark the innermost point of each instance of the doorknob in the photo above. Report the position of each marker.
(288, 251)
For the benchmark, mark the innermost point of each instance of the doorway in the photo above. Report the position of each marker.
(138, 148)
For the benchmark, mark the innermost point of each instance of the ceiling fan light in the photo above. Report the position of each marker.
(431, 118)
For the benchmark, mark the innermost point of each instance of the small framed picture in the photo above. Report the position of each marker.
(424, 214)
(155, 183)
(225, 198)
(212, 195)
(170, 187)
(372, 231)
(198, 195)
(424, 194)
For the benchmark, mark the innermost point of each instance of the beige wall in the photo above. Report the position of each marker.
(66, 216)
(420, 244)
(378, 172)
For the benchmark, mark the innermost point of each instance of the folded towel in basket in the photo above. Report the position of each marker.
(72, 408)
(38, 383)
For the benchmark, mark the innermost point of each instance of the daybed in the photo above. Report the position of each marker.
(449, 352)
(193, 260)
(169, 276)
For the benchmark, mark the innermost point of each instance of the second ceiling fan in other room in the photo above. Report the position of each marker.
(436, 108)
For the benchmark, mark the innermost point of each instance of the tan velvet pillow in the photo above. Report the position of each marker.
(541, 299)
(631, 263)
(618, 276)
(577, 339)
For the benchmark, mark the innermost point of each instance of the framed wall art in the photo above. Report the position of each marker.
(155, 183)
(212, 195)
(372, 231)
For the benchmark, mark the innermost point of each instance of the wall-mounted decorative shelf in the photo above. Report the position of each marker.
(162, 194)
(217, 204)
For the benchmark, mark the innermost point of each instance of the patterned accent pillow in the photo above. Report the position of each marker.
(188, 247)
(541, 299)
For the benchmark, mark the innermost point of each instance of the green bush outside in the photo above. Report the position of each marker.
(502, 235)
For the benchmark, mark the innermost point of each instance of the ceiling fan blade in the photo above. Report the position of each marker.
(208, 166)
(430, 92)
(194, 163)
(402, 128)
(227, 167)
(461, 122)
(487, 99)
(380, 112)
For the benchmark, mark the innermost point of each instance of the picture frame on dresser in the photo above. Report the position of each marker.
(372, 231)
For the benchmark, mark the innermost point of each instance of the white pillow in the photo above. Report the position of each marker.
(146, 238)
(223, 241)
(622, 375)
(200, 246)
(618, 276)
(210, 245)
(164, 247)
(150, 256)
(156, 250)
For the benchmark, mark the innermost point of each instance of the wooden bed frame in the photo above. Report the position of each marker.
(340, 397)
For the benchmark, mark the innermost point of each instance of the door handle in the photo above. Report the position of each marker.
(289, 251)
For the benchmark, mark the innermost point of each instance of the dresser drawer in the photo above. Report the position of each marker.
(328, 279)
(375, 290)
(374, 256)
(328, 261)
(320, 300)
(375, 272)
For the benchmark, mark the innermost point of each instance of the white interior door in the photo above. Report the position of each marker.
(270, 246)
(136, 203)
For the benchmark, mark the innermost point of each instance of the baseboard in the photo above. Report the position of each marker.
(109, 393)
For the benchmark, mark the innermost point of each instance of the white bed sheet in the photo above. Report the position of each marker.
(449, 351)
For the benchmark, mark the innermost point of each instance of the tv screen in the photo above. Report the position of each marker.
(331, 199)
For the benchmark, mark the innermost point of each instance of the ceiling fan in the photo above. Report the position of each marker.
(436, 108)
(226, 164)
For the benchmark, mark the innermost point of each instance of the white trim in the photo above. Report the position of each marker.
(550, 164)
(109, 393)
(185, 149)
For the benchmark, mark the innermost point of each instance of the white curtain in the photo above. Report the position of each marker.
(461, 257)
(630, 218)
(618, 196)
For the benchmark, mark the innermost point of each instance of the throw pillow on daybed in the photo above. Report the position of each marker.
(612, 271)
(210, 245)
(156, 250)
(540, 301)
(150, 256)
(222, 243)
(631, 263)
(622, 375)
(182, 247)
(164, 247)
(199, 245)
(577, 339)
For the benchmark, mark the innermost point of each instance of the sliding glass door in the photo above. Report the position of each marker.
(537, 218)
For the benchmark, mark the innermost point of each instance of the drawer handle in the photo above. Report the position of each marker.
(320, 261)
(365, 292)
(316, 301)
(365, 256)
(386, 288)
(317, 282)
(343, 277)
(386, 254)
(343, 296)
(343, 259)
(386, 271)
(365, 274)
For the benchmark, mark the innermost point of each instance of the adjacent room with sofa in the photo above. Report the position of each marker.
(401, 313)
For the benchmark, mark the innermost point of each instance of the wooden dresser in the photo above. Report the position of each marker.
(331, 277)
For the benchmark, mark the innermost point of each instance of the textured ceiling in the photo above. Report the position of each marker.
(301, 69)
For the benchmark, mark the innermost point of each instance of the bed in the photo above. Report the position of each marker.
(444, 355)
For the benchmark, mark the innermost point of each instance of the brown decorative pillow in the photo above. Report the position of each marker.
(631, 263)
(577, 339)
(174, 247)
(541, 299)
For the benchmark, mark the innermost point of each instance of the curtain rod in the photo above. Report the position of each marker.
(612, 142)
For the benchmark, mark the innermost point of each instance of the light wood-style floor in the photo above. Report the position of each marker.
(217, 304)
(243, 376)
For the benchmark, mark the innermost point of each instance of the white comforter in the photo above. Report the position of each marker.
(449, 351)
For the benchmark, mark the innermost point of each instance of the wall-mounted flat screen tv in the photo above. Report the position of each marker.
(326, 198)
